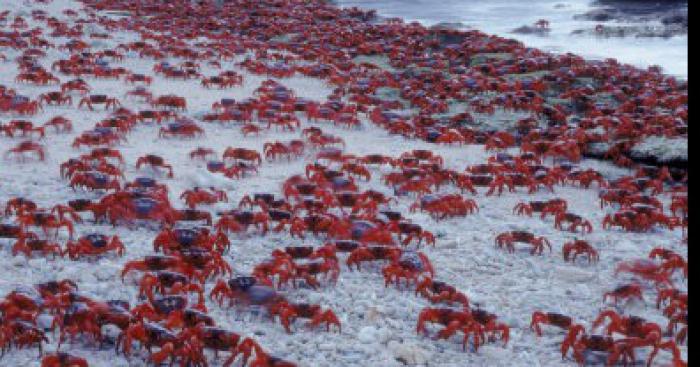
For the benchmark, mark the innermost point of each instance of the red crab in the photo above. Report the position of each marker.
(509, 238)
(93, 180)
(157, 263)
(630, 326)
(201, 153)
(373, 253)
(579, 341)
(288, 312)
(58, 98)
(46, 220)
(198, 196)
(28, 245)
(60, 359)
(173, 240)
(553, 206)
(409, 266)
(246, 155)
(436, 292)
(445, 206)
(94, 245)
(180, 129)
(549, 318)
(221, 340)
(579, 247)
(169, 283)
(99, 99)
(60, 124)
(154, 161)
(647, 269)
(574, 221)
(27, 147)
(626, 291)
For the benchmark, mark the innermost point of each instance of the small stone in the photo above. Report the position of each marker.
(105, 272)
(38, 263)
(372, 314)
(572, 274)
(18, 261)
(450, 244)
(88, 278)
(44, 321)
(494, 353)
(368, 334)
(408, 353)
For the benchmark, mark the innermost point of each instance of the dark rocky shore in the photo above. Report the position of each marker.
(638, 18)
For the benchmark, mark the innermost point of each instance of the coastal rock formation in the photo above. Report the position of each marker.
(641, 18)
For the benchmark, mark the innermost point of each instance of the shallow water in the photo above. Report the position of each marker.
(502, 16)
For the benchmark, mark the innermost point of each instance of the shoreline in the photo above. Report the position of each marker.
(616, 34)
(678, 162)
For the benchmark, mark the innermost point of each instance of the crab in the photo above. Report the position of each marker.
(93, 180)
(495, 183)
(579, 341)
(647, 269)
(246, 290)
(99, 99)
(410, 266)
(476, 323)
(436, 292)
(631, 326)
(627, 291)
(287, 312)
(412, 231)
(201, 153)
(169, 283)
(180, 129)
(242, 154)
(445, 206)
(22, 334)
(19, 205)
(198, 196)
(60, 359)
(58, 98)
(60, 124)
(93, 245)
(154, 161)
(240, 220)
(509, 238)
(553, 206)
(172, 240)
(28, 245)
(220, 340)
(159, 262)
(263, 359)
(574, 220)
(308, 271)
(27, 147)
(147, 333)
(549, 318)
(46, 220)
(372, 253)
(452, 320)
(579, 247)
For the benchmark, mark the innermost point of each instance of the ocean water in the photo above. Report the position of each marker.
(502, 16)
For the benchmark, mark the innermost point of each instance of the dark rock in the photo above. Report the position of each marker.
(531, 30)
(641, 18)
(599, 15)
(676, 19)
